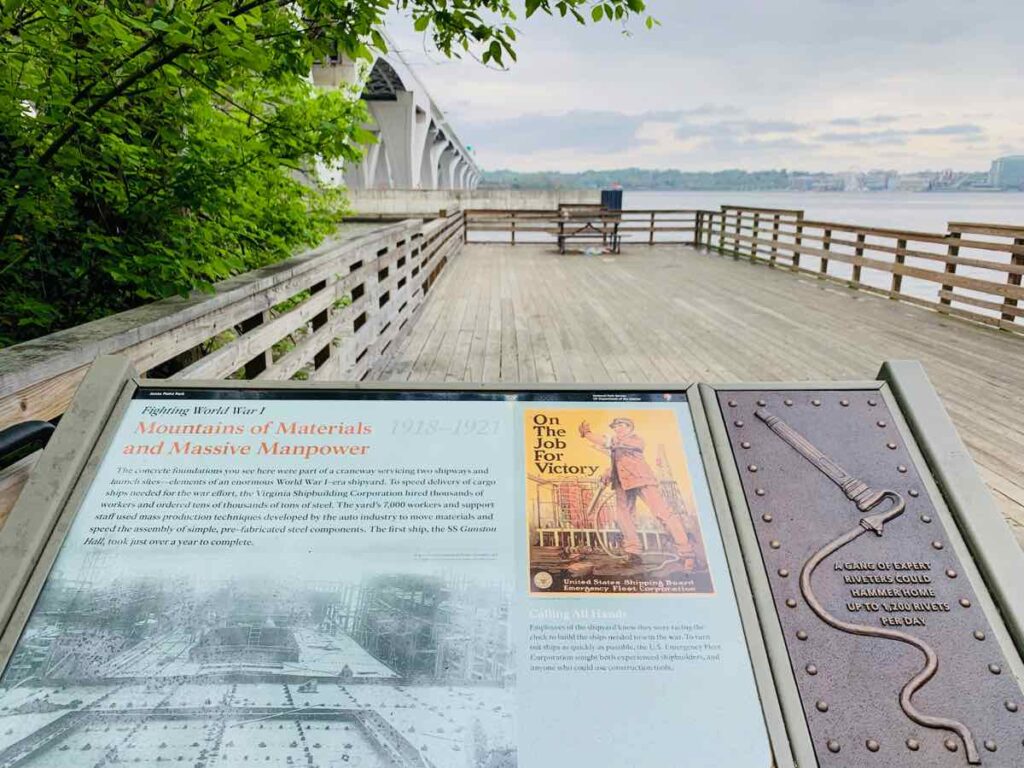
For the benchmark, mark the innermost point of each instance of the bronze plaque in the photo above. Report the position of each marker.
(895, 661)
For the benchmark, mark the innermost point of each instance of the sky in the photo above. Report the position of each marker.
(820, 85)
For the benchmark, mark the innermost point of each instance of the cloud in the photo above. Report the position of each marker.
(865, 137)
(855, 122)
(963, 129)
(961, 132)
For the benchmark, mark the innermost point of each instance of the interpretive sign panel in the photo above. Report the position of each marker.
(895, 661)
(354, 577)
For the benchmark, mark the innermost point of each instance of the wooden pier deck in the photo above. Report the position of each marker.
(672, 313)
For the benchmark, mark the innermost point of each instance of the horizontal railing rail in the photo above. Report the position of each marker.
(650, 226)
(335, 312)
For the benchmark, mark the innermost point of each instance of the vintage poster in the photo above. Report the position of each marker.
(609, 503)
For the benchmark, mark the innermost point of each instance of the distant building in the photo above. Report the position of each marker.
(1007, 172)
(915, 182)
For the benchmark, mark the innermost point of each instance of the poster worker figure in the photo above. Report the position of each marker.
(631, 477)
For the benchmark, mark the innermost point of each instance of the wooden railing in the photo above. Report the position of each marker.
(634, 227)
(972, 270)
(334, 312)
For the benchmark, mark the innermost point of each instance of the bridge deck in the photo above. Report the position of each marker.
(526, 314)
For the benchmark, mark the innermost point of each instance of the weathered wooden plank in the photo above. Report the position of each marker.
(12, 480)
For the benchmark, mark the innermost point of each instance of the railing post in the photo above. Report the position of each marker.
(897, 277)
(650, 240)
(513, 228)
(775, 240)
(736, 235)
(952, 252)
(827, 246)
(1013, 279)
(319, 321)
(797, 244)
(697, 228)
(755, 234)
(721, 232)
(858, 253)
(264, 359)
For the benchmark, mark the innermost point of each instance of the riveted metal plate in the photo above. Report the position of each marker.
(894, 659)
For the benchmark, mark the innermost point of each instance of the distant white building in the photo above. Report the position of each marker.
(1007, 172)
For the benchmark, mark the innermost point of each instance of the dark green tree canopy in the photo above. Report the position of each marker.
(153, 147)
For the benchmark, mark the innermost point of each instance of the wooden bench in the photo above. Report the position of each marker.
(607, 233)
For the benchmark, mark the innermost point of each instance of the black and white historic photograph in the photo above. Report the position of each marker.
(390, 670)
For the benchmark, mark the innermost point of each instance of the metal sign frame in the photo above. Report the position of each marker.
(36, 527)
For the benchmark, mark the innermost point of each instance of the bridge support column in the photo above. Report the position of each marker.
(404, 125)
(446, 167)
(435, 145)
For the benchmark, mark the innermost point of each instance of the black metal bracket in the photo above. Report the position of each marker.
(17, 441)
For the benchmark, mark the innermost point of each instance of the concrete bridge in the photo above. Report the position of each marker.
(416, 147)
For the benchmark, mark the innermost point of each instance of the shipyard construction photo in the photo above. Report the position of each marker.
(399, 670)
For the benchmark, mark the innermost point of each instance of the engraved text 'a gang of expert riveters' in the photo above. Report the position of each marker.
(866, 500)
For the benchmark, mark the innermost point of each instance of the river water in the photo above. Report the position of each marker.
(919, 212)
